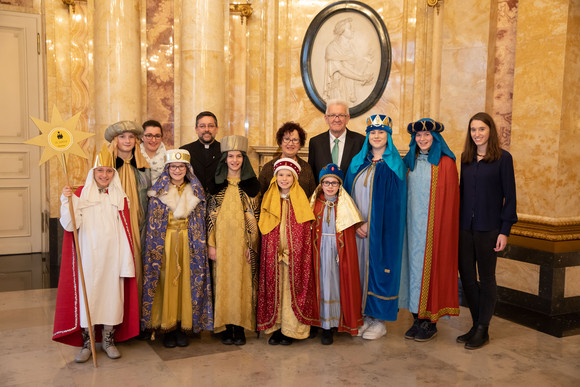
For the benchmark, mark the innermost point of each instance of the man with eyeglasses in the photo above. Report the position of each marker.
(205, 152)
(338, 145)
(153, 148)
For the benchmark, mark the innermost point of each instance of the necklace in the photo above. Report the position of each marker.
(478, 155)
(329, 205)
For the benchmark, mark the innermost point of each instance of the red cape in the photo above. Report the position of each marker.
(301, 274)
(67, 327)
(439, 294)
(350, 290)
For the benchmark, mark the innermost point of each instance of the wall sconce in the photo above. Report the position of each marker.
(71, 5)
(431, 3)
(244, 9)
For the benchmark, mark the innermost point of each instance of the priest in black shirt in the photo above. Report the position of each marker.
(205, 152)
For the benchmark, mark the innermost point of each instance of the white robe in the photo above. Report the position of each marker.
(105, 250)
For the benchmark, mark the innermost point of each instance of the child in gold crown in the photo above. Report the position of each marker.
(177, 294)
(105, 244)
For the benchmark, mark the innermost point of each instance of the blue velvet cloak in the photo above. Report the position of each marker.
(385, 233)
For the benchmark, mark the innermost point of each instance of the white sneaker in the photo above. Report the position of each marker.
(376, 330)
(367, 321)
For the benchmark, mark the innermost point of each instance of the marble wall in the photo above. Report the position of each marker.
(196, 56)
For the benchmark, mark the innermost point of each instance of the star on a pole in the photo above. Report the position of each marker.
(59, 137)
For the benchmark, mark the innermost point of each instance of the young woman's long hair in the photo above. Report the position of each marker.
(493, 150)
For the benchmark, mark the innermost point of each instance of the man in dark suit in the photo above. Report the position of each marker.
(338, 144)
(205, 152)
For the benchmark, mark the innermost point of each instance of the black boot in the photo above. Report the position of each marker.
(313, 332)
(479, 339)
(239, 335)
(427, 331)
(275, 338)
(169, 340)
(410, 334)
(326, 338)
(465, 337)
(227, 336)
(181, 338)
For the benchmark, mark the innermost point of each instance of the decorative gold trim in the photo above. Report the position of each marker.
(245, 10)
(435, 4)
(550, 229)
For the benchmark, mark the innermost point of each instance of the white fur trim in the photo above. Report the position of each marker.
(183, 205)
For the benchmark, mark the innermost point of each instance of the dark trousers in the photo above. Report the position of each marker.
(476, 248)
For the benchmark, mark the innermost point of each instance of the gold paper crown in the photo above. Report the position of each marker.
(104, 158)
(235, 142)
(378, 120)
(177, 156)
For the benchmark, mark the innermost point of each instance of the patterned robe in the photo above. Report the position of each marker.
(201, 291)
(248, 193)
(300, 270)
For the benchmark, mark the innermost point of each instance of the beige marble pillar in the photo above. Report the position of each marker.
(117, 63)
(546, 110)
(202, 72)
(545, 122)
(435, 100)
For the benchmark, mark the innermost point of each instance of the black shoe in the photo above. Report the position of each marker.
(181, 339)
(410, 334)
(427, 331)
(313, 332)
(239, 335)
(275, 338)
(169, 340)
(227, 336)
(479, 339)
(285, 340)
(465, 337)
(143, 335)
(326, 338)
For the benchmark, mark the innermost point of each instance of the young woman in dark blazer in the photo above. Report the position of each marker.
(487, 213)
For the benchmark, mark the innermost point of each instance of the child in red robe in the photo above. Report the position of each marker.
(338, 291)
(286, 302)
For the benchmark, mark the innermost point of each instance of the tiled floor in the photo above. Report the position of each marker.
(516, 356)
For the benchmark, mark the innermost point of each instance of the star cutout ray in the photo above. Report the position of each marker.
(59, 137)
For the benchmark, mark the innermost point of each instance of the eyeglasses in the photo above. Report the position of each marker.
(150, 136)
(333, 116)
(177, 167)
(330, 183)
(209, 126)
(288, 140)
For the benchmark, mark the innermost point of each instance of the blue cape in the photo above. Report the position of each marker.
(385, 232)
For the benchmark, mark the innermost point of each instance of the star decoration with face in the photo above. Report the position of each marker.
(59, 137)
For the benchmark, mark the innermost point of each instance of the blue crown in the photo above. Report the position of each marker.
(425, 125)
(331, 170)
(379, 122)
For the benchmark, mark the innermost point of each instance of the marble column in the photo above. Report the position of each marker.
(538, 273)
(546, 110)
(435, 100)
(202, 64)
(117, 63)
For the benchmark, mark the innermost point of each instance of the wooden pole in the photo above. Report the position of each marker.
(80, 264)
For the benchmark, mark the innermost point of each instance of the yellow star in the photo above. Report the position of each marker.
(59, 137)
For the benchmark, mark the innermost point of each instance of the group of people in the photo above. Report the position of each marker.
(184, 240)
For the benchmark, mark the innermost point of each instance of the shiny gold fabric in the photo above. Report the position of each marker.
(234, 302)
(269, 217)
(172, 301)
